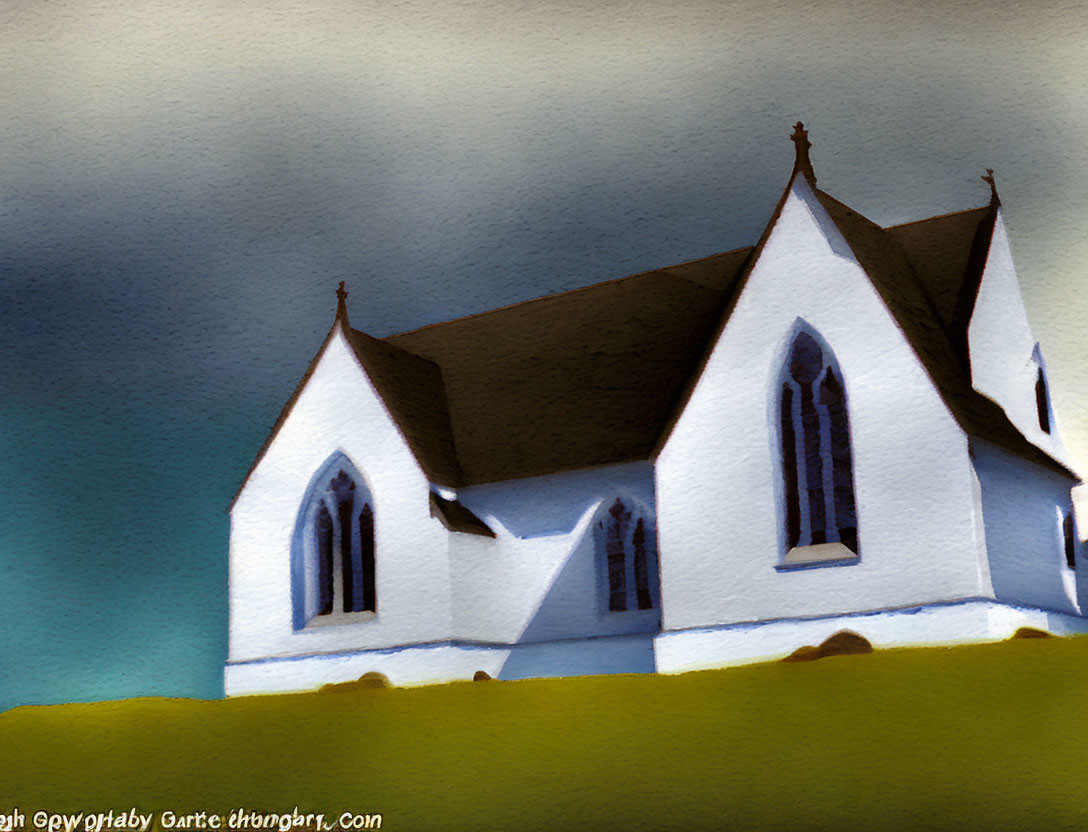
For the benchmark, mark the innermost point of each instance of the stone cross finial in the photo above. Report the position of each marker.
(989, 180)
(802, 145)
(341, 302)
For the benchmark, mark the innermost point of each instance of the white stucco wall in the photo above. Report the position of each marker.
(542, 578)
(449, 661)
(1080, 509)
(720, 525)
(1001, 345)
(338, 410)
(1022, 507)
(957, 622)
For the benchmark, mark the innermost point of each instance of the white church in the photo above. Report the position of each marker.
(841, 427)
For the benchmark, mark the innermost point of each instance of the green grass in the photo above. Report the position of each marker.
(988, 737)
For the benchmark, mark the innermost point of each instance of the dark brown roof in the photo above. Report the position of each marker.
(939, 249)
(948, 254)
(457, 517)
(597, 375)
(583, 378)
(890, 271)
(412, 388)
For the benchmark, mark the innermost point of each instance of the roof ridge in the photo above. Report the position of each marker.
(576, 289)
(946, 215)
(352, 332)
(439, 466)
(900, 225)
(846, 207)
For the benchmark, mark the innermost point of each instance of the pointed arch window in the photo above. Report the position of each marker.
(1042, 391)
(817, 461)
(334, 572)
(1070, 538)
(1042, 401)
(629, 557)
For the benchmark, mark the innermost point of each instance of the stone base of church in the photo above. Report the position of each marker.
(955, 622)
(445, 662)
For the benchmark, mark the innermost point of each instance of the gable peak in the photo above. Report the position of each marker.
(801, 145)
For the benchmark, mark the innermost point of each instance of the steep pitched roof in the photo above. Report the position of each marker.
(596, 375)
(939, 249)
(917, 313)
(582, 378)
(948, 254)
(457, 517)
(413, 390)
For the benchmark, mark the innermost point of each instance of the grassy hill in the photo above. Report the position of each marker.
(987, 737)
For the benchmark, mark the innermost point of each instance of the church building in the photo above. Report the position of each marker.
(842, 426)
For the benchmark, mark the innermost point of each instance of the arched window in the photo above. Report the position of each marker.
(1042, 401)
(817, 465)
(1069, 538)
(334, 571)
(1042, 393)
(629, 557)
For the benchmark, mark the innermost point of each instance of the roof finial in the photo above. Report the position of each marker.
(989, 180)
(801, 145)
(341, 303)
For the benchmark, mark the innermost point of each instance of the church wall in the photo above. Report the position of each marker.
(1080, 528)
(720, 496)
(958, 540)
(1002, 345)
(542, 577)
(1022, 507)
(445, 662)
(954, 622)
(337, 410)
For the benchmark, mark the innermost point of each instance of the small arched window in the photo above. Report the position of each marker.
(1069, 538)
(1042, 391)
(629, 557)
(1042, 401)
(817, 464)
(335, 549)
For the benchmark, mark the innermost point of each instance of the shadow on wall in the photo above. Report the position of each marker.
(603, 609)
(554, 504)
(1025, 530)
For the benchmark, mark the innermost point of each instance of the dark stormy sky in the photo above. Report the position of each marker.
(182, 185)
